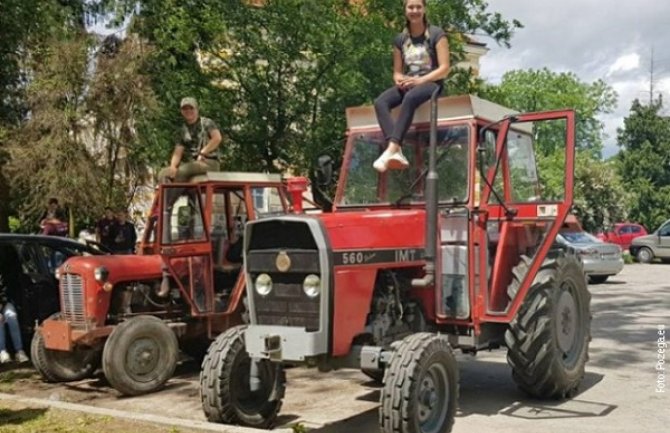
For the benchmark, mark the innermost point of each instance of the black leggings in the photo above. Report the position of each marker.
(410, 100)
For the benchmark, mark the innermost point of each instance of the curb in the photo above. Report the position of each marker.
(134, 416)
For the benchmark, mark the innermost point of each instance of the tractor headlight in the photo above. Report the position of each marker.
(263, 284)
(101, 274)
(312, 285)
(57, 273)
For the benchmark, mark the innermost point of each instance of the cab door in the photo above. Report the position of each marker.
(185, 245)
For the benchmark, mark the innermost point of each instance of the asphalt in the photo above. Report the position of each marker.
(618, 394)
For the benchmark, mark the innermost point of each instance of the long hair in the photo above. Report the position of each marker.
(425, 20)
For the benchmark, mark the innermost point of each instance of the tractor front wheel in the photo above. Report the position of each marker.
(60, 366)
(548, 340)
(225, 390)
(140, 355)
(420, 391)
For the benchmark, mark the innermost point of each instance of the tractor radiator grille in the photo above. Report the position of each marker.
(72, 299)
(287, 305)
(286, 251)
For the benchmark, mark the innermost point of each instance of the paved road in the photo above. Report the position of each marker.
(618, 394)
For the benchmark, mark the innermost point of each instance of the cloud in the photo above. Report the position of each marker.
(595, 39)
(627, 62)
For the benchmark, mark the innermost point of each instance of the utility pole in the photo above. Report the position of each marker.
(651, 78)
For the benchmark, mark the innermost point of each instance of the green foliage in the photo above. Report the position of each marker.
(49, 155)
(278, 78)
(540, 90)
(644, 163)
(120, 98)
(599, 197)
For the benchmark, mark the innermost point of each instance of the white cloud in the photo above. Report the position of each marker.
(625, 63)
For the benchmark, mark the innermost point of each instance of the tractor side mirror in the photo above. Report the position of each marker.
(321, 179)
(323, 172)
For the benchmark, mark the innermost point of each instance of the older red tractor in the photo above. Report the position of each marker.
(133, 313)
(456, 252)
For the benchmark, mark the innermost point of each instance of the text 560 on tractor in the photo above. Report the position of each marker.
(456, 252)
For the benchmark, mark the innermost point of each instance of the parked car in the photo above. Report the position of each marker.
(28, 263)
(622, 234)
(601, 260)
(657, 244)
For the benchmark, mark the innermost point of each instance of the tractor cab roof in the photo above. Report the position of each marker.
(449, 108)
(237, 177)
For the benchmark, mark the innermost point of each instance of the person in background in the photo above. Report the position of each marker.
(8, 316)
(54, 221)
(105, 228)
(125, 236)
(420, 65)
(197, 146)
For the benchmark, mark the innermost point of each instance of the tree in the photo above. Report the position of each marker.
(644, 162)
(120, 99)
(279, 77)
(539, 90)
(598, 191)
(48, 152)
(24, 27)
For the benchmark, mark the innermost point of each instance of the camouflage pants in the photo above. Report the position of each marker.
(186, 171)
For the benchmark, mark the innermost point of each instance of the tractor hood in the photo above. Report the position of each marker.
(382, 229)
(119, 267)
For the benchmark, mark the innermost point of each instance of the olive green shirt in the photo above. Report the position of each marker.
(195, 137)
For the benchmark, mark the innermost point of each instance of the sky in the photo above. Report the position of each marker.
(610, 40)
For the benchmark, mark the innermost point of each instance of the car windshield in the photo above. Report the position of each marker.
(364, 186)
(579, 238)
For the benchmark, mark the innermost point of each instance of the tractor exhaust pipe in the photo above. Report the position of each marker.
(431, 199)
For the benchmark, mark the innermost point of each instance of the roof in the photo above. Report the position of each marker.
(237, 177)
(5, 237)
(449, 108)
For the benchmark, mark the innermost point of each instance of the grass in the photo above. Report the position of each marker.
(17, 418)
(9, 378)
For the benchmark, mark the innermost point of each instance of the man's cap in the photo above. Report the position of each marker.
(188, 101)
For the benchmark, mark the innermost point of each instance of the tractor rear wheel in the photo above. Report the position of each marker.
(548, 340)
(60, 366)
(420, 391)
(140, 355)
(225, 391)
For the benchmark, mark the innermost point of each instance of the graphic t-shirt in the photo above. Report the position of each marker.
(419, 54)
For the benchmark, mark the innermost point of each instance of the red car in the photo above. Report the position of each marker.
(622, 234)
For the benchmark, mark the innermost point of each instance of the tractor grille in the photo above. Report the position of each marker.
(72, 299)
(286, 304)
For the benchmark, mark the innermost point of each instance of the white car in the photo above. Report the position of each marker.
(601, 260)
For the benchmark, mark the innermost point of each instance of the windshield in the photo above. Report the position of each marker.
(579, 238)
(364, 186)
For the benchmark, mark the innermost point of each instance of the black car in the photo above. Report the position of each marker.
(28, 264)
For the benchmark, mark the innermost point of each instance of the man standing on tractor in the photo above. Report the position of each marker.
(197, 143)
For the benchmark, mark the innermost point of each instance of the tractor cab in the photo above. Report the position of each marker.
(200, 232)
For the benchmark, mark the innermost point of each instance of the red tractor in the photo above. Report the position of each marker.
(455, 253)
(134, 313)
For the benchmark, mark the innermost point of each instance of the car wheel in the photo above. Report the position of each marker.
(644, 255)
(598, 279)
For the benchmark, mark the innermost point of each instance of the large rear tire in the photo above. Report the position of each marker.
(420, 391)
(548, 340)
(60, 366)
(140, 355)
(224, 384)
